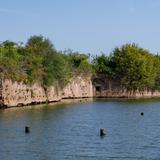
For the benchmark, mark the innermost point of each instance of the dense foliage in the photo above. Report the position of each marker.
(38, 61)
(135, 68)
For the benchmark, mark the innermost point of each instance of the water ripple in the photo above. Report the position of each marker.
(72, 132)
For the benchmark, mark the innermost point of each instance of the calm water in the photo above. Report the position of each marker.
(71, 131)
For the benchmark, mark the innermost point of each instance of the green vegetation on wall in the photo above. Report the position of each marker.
(134, 67)
(38, 61)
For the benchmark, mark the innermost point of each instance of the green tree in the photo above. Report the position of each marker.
(157, 71)
(79, 63)
(37, 49)
(102, 64)
(10, 61)
(134, 67)
(45, 64)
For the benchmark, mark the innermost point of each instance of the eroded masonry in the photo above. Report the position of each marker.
(99, 86)
(1, 96)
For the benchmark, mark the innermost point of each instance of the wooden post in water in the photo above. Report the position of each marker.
(27, 129)
(102, 132)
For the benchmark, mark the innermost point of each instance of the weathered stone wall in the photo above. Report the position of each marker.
(15, 93)
(18, 93)
(79, 87)
(105, 87)
(1, 90)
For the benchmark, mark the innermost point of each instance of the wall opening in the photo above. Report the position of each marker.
(98, 88)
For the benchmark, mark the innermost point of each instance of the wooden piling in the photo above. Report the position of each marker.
(27, 129)
(102, 132)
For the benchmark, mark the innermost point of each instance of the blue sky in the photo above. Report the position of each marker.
(89, 26)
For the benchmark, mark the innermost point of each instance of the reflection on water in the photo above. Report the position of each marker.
(71, 131)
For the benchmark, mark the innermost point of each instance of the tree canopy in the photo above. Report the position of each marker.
(134, 67)
(39, 61)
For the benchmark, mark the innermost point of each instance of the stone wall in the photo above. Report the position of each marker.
(78, 87)
(19, 94)
(105, 87)
(1, 90)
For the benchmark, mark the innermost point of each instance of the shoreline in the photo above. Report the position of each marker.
(81, 100)
(62, 101)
